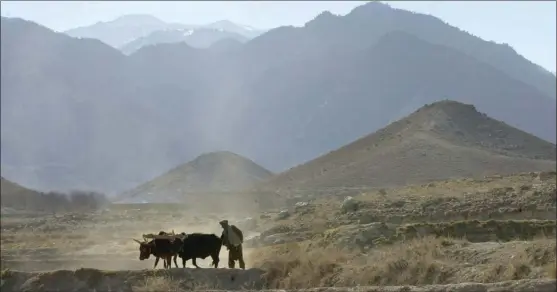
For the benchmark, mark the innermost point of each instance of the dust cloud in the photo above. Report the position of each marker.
(103, 239)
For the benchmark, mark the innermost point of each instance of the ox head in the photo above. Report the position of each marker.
(144, 248)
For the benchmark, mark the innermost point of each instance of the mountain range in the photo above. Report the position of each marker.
(129, 33)
(198, 38)
(78, 113)
(439, 141)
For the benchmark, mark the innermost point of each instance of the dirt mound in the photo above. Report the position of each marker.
(12, 189)
(210, 172)
(442, 140)
(143, 280)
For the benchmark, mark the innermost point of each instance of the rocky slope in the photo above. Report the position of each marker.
(441, 140)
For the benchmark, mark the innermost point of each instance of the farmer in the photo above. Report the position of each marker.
(233, 238)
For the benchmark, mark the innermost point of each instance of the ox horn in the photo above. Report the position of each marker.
(136, 240)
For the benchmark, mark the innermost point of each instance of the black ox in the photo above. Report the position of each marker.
(190, 246)
(199, 246)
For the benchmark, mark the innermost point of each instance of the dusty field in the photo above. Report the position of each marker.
(477, 231)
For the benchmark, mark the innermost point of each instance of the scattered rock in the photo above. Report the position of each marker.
(358, 236)
(300, 206)
(349, 205)
(283, 215)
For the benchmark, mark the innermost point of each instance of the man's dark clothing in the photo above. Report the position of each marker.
(234, 252)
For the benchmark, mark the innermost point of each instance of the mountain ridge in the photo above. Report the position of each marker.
(199, 38)
(129, 32)
(212, 172)
(374, 19)
(442, 140)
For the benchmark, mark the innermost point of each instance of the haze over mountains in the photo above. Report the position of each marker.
(131, 32)
(214, 172)
(442, 140)
(82, 114)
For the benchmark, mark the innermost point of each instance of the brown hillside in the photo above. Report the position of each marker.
(209, 173)
(11, 189)
(16, 197)
(438, 141)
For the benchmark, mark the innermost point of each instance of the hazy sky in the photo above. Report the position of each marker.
(528, 26)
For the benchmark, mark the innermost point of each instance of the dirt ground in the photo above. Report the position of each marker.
(494, 230)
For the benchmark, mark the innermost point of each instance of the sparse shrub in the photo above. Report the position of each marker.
(525, 187)
(397, 204)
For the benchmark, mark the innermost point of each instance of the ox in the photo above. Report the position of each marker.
(199, 245)
(164, 246)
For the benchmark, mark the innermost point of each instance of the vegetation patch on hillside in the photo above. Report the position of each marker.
(420, 261)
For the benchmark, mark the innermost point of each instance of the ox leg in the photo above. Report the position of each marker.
(156, 262)
(194, 263)
(175, 264)
(169, 262)
(184, 262)
(215, 258)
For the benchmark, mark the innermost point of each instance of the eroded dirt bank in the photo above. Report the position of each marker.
(132, 280)
(218, 280)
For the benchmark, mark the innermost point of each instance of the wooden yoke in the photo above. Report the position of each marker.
(170, 237)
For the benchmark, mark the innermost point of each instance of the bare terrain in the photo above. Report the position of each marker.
(491, 234)
(445, 139)
(209, 174)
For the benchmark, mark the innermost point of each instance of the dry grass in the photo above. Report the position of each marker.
(551, 270)
(420, 261)
(158, 283)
